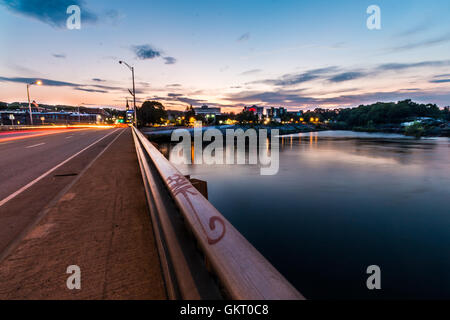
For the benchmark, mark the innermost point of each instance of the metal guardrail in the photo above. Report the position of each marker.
(241, 271)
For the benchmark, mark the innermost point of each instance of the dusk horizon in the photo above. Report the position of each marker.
(211, 54)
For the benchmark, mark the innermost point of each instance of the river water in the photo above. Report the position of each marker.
(343, 201)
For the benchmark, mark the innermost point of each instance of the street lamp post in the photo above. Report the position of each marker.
(134, 90)
(39, 83)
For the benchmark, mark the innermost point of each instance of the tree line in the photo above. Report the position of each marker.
(392, 113)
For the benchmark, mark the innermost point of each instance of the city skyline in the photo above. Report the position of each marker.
(226, 54)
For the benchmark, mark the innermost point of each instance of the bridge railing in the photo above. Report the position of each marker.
(240, 269)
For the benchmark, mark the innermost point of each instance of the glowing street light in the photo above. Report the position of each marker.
(38, 83)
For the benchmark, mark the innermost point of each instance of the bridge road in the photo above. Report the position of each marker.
(25, 160)
(25, 156)
(90, 211)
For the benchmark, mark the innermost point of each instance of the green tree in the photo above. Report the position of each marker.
(415, 130)
(150, 113)
(446, 113)
(246, 116)
(188, 114)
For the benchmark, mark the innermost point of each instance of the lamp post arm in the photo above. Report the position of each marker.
(129, 67)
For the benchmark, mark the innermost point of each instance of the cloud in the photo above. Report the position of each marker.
(441, 78)
(188, 100)
(91, 90)
(98, 80)
(76, 86)
(145, 52)
(175, 97)
(144, 84)
(294, 79)
(110, 88)
(170, 60)
(51, 12)
(148, 52)
(59, 55)
(442, 75)
(347, 76)
(391, 96)
(47, 82)
(424, 26)
(337, 74)
(244, 37)
(424, 43)
(250, 72)
(271, 98)
(296, 99)
(440, 81)
(403, 66)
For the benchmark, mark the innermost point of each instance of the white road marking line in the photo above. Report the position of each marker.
(15, 194)
(36, 145)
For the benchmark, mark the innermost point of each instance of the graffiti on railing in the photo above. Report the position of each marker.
(179, 185)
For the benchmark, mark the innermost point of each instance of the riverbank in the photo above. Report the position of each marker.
(418, 129)
(164, 134)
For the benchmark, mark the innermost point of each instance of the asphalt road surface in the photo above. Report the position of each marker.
(37, 167)
(90, 212)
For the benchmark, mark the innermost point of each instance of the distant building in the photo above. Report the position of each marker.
(207, 111)
(39, 118)
(259, 111)
(276, 112)
(295, 113)
(97, 111)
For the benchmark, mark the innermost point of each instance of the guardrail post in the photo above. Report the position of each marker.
(201, 186)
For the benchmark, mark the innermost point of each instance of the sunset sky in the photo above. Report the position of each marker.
(296, 54)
